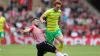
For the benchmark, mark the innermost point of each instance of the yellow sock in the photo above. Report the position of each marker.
(59, 46)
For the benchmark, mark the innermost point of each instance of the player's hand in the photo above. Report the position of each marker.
(21, 31)
(43, 21)
(8, 27)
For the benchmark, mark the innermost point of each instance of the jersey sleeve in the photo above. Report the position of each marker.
(31, 28)
(46, 13)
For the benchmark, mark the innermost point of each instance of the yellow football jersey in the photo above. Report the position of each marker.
(52, 19)
(2, 21)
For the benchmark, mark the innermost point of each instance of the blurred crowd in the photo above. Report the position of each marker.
(76, 19)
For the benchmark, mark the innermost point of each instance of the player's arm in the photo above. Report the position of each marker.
(44, 16)
(7, 25)
(59, 22)
(27, 30)
(42, 19)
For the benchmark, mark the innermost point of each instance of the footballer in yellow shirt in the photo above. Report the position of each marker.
(2, 23)
(53, 30)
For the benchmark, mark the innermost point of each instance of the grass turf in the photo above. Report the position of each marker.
(30, 50)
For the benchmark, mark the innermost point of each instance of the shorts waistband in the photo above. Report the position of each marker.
(48, 43)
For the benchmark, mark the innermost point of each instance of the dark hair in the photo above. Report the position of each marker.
(32, 19)
(57, 2)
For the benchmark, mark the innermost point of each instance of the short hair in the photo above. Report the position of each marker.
(32, 19)
(57, 2)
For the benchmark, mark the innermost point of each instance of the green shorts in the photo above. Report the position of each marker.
(50, 36)
(1, 34)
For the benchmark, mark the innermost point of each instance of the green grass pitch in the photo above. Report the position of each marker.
(30, 50)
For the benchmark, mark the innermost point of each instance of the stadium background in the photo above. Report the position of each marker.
(80, 26)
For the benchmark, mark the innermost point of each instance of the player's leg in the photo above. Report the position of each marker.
(40, 53)
(60, 44)
(0, 40)
(40, 50)
(52, 48)
(59, 53)
(49, 47)
(60, 38)
(1, 36)
(50, 36)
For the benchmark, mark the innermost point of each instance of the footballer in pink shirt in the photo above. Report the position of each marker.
(42, 46)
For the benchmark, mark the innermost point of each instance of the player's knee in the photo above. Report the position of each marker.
(61, 40)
